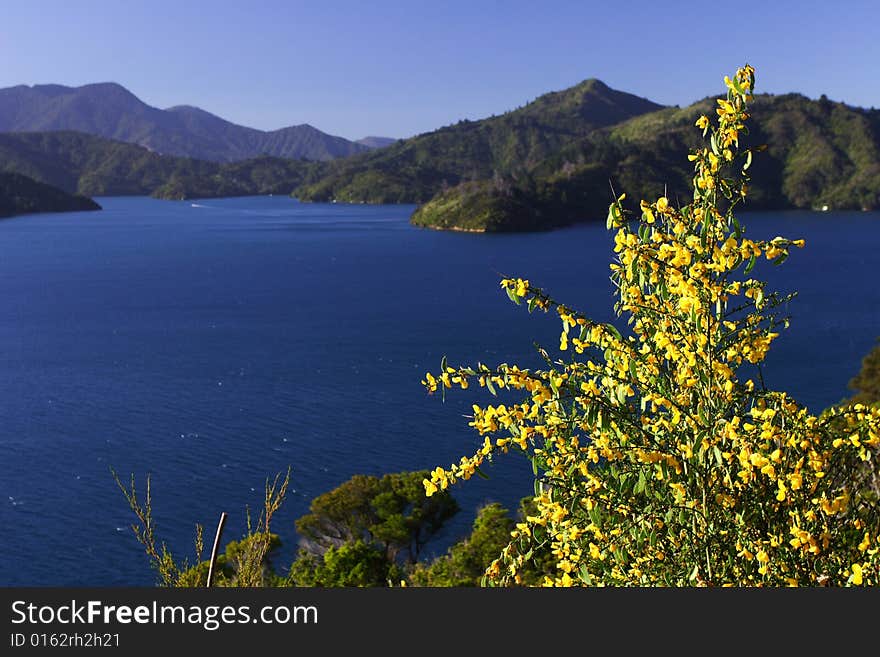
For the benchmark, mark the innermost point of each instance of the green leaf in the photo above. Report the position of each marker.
(613, 330)
(748, 161)
(737, 86)
(480, 473)
(609, 222)
(640, 485)
(490, 387)
(782, 257)
(751, 264)
(737, 228)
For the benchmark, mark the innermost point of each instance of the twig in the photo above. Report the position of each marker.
(216, 546)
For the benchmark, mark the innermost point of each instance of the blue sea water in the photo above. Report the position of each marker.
(214, 344)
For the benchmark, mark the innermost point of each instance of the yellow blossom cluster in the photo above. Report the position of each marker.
(656, 462)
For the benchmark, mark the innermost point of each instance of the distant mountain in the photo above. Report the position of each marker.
(110, 110)
(22, 195)
(85, 164)
(376, 142)
(413, 170)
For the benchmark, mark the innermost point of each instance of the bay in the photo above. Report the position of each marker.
(214, 343)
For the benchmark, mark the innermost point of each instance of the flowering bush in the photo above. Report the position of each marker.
(655, 462)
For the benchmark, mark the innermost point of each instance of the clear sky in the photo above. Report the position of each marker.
(400, 68)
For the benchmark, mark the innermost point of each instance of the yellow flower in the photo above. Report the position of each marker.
(662, 204)
(430, 487)
(856, 577)
(702, 122)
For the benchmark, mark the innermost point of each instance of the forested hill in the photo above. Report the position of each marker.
(110, 110)
(22, 195)
(413, 170)
(820, 154)
(84, 164)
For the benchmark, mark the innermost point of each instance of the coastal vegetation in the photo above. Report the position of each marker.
(369, 531)
(22, 195)
(819, 155)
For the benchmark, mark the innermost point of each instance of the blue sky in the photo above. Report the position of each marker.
(401, 68)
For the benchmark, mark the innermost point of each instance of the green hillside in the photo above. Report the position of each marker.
(413, 170)
(819, 155)
(84, 164)
(22, 195)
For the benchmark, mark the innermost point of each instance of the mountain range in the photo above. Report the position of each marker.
(548, 163)
(110, 110)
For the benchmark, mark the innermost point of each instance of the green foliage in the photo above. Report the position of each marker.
(481, 207)
(22, 195)
(170, 572)
(867, 382)
(390, 513)
(465, 562)
(353, 563)
(244, 563)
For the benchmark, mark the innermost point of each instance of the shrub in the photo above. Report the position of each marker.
(657, 461)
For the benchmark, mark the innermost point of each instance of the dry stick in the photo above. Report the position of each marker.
(216, 545)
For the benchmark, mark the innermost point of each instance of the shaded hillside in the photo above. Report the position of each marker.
(22, 195)
(415, 169)
(110, 110)
(80, 163)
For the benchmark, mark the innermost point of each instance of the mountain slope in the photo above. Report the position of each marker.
(413, 170)
(376, 142)
(22, 195)
(109, 110)
(85, 164)
(818, 154)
